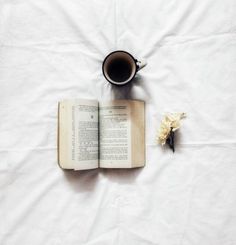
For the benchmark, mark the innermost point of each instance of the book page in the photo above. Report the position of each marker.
(115, 134)
(81, 137)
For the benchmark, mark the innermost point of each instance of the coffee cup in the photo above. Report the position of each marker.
(120, 67)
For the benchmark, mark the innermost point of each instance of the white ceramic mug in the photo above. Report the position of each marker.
(120, 67)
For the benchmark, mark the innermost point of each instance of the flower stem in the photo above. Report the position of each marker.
(171, 140)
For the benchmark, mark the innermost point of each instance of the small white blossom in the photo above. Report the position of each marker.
(171, 120)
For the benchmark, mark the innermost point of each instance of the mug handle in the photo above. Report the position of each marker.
(141, 63)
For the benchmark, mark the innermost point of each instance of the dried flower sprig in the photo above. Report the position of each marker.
(169, 124)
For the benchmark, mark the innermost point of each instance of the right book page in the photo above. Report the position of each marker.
(122, 134)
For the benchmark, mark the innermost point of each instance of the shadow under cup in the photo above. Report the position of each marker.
(119, 67)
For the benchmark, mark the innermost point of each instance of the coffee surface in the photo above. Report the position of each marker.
(119, 70)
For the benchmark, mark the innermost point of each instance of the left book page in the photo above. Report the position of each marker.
(78, 134)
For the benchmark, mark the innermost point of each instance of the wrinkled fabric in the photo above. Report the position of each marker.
(53, 50)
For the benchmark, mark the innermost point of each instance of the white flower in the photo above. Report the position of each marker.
(170, 121)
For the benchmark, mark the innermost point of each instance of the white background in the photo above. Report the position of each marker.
(53, 50)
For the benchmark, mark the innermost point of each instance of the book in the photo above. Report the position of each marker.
(106, 134)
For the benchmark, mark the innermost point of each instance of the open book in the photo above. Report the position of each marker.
(94, 134)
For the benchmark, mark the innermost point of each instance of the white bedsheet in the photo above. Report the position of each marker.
(52, 50)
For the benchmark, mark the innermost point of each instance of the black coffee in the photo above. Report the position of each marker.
(119, 70)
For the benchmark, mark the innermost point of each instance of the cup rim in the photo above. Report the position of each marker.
(125, 82)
